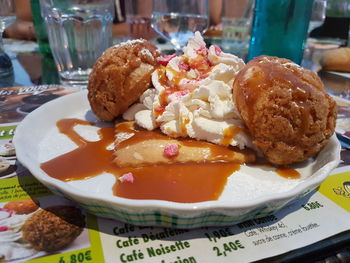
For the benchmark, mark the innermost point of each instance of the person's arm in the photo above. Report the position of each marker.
(215, 12)
(23, 28)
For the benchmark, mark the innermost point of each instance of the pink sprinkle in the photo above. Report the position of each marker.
(159, 109)
(202, 51)
(164, 60)
(217, 50)
(128, 178)
(184, 66)
(4, 228)
(182, 93)
(171, 150)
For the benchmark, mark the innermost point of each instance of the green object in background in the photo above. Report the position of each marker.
(338, 8)
(280, 28)
(40, 29)
(49, 70)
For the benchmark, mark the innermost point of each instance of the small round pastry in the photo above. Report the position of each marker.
(285, 108)
(120, 76)
(23, 207)
(53, 228)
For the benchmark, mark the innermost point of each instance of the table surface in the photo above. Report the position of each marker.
(32, 68)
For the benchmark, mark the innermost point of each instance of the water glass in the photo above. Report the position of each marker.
(318, 14)
(236, 24)
(280, 28)
(177, 20)
(79, 32)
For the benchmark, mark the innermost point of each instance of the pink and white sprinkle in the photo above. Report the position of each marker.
(164, 60)
(127, 178)
(171, 150)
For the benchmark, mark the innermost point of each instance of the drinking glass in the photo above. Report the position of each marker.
(336, 26)
(318, 14)
(177, 20)
(79, 32)
(7, 17)
(280, 28)
(236, 24)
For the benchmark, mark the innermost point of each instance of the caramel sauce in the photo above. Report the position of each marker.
(158, 111)
(177, 77)
(88, 160)
(163, 96)
(229, 134)
(184, 182)
(285, 172)
(183, 123)
(200, 63)
(163, 80)
(288, 173)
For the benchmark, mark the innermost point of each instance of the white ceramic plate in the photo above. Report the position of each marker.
(249, 192)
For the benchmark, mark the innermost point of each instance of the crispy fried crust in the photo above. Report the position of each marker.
(53, 228)
(120, 76)
(285, 109)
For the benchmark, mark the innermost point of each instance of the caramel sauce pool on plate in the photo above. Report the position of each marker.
(183, 182)
(187, 183)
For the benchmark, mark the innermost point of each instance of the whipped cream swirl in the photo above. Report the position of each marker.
(192, 96)
(12, 245)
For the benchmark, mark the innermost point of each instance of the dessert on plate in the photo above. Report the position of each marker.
(193, 118)
(285, 108)
(271, 105)
(188, 96)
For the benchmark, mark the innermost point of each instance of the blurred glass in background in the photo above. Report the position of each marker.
(79, 31)
(178, 20)
(335, 29)
(318, 14)
(236, 22)
(280, 28)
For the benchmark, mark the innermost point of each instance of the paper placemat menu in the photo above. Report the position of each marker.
(317, 216)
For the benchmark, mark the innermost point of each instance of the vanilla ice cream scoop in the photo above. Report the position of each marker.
(192, 96)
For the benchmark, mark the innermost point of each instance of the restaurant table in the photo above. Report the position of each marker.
(33, 69)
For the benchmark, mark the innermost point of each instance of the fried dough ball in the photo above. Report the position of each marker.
(53, 228)
(120, 76)
(23, 207)
(285, 108)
